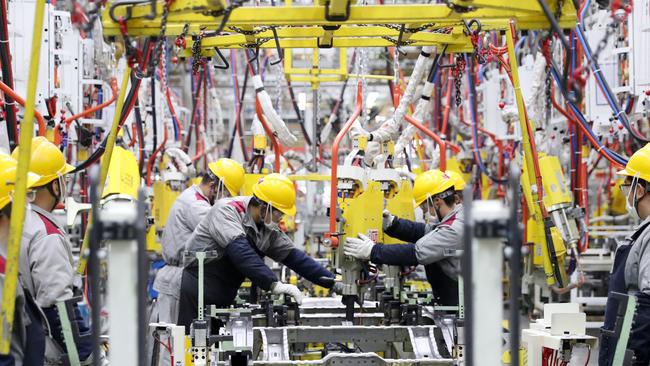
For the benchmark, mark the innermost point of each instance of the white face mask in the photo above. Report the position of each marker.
(630, 203)
(428, 217)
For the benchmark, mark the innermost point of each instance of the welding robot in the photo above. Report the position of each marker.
(240, 231)
(434, 247)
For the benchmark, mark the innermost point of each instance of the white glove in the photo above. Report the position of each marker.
(387, 220)
(337, 288)
(359, 248)
(280, 288)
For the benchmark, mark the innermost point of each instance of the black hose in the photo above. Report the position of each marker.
(301, 121)
(7, 76)
(153, 114)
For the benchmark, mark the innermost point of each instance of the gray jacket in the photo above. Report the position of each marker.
(46, 262)
(443, 243)
(228, 220)
(637, 266)
(185, 215)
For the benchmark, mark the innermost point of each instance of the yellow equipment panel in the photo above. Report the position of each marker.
(123, 174)
(249, 182)
(363, 214)
(402, 206)
(163, 199)
(556, 191)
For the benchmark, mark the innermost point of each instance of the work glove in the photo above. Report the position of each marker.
(337, 288)
(280, 288)
(387, 220)
(359, 248)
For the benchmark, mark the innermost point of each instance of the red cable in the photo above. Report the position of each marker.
(18, 99)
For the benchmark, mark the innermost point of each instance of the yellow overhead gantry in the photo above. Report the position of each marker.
(308, 21)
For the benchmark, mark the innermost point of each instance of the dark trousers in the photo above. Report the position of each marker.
(221, 282)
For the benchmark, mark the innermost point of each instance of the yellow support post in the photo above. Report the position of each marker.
(20, 195)
(106, 161)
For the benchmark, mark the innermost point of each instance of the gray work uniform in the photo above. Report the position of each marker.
(46, 262)
(46, 267)
(229, 220)
(186, 213)
(441, 245)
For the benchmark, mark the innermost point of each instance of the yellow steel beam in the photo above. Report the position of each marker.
(342, 42)
(519, 5)
(441, 15)
(346, 31)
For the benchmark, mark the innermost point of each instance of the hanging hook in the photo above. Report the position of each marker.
(225, 65)
(128, 12)
(277, 47)
(399, 40)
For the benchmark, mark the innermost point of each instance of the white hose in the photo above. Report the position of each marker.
(216, 113)
(389, 130)
(180, 161)
(277, 124)
(420, 109)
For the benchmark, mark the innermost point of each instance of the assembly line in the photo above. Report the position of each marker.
(297, 182)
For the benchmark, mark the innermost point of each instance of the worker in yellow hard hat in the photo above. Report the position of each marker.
(241, 230)
(46, 261)
(631, 271)
(224, 178)
(28, 334)
(459, 183)
(434, 246)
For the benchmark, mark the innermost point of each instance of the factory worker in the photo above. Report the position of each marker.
(434, 247)
(46, 262)
(412, 231)
(242, 231)
(630, 273)
(224, 178)
(28, 336)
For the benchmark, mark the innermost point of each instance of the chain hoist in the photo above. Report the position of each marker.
(457, 73)
(180, 40)
(197, 60)
(162, 36)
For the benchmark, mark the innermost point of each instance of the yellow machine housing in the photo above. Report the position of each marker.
(402, 206)
(123, 175)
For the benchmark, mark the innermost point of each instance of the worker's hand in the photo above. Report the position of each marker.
(359, 248)
(280, 288)
(387, 219)
(337, 288)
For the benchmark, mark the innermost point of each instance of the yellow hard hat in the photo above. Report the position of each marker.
(230, 172)
(8, 167)
(278, 191)
(430, 184)
(457, 179)
(46, 160)
(638, 165)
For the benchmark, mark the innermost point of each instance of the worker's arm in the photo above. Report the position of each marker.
(249, 263)
(51, 270)
(282, 250)
(441, 243)
(406, 230)
(308, 268)
(394, 254)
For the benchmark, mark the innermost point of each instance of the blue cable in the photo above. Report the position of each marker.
(472, 108)
(611, 100)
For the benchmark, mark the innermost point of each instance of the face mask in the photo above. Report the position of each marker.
(631, 203)
(428, 217)
(217, 193)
